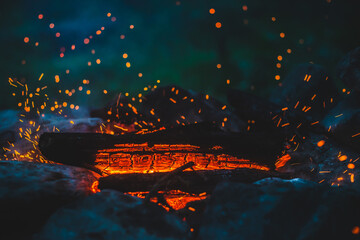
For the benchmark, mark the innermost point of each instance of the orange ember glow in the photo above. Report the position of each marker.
(342, 158)
(94, 187)
(145, 158)
(351, 166)
(282, 161)
(175, 198)
(321, 143)
(141, 158)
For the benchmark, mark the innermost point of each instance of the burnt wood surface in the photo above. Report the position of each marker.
(188, 181)
(79, 149)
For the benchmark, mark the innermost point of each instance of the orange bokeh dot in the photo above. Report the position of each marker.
(86, 40)
(218, 25)
(51, 25)
(40, 16)
(212, 11)
(321, 143)
(26, 40)
(343, 158)
(351, 166)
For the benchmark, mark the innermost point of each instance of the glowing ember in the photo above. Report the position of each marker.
(282, 161)
(175, 198)
(141, 158)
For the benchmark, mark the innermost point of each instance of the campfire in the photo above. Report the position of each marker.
(135, 163)
(139, 128)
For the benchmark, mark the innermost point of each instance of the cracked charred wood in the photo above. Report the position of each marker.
(80, 149)
(188, 181)
(166, 178)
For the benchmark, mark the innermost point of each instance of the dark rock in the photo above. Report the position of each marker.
(31, 192)
(252, 108)
(348, 69)
(8, 119)
(113, 215)
(281, 209)
(344, 120)
(321, 159)
(174, 106)
(63, 124)
(295, 89)
(194, 216)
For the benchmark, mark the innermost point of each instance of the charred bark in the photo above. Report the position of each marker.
(80, 149)
(189, 181)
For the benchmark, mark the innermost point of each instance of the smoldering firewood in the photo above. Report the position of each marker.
(190, 182)
(167, 177)
(81, 148)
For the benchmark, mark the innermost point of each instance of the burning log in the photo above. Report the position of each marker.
(198, 140)
(167, 177)
(187, 181)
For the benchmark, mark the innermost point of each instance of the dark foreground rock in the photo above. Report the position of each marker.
(31, 192)
(113, 215)
(344, 121)
(348, 70)
(281, 209)
(322, 159)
